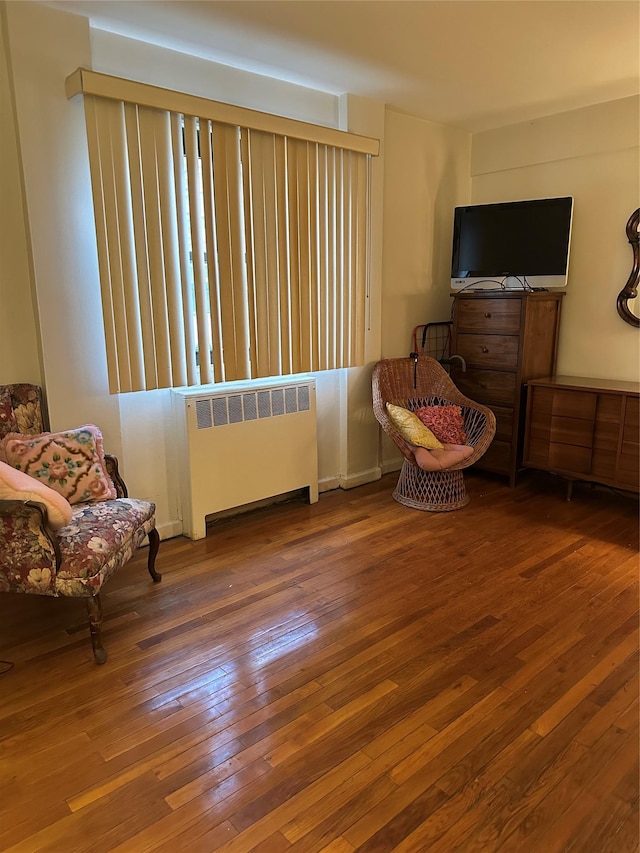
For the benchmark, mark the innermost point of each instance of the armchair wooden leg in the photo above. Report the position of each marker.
(154, 544)
(94, 608)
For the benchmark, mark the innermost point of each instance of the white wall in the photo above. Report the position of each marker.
(43, 47)
(593, 155)
(19, 338)
(426, 176)
(46, 45)
(422, 174)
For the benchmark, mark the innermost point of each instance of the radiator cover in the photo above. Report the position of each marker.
(242, 442)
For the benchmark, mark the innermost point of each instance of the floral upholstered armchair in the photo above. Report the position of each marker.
(66, 521)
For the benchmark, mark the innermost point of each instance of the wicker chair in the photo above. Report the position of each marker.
(422, 381)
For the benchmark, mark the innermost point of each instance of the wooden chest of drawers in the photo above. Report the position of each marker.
(585, 429)
(506, 339)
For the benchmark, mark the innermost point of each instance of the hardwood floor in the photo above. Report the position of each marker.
(348, 676)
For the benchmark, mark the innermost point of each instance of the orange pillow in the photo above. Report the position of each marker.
(445, 422)
(71, 462)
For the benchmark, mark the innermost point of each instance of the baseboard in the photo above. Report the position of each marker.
(170, 529)
(350, 481)
(392, 465)
(328, 484)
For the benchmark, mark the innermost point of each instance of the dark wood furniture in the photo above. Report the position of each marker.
(584, 429)
(506, 339)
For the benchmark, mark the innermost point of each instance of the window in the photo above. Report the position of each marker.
(232, 244)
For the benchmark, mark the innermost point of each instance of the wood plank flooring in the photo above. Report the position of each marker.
(348, 676)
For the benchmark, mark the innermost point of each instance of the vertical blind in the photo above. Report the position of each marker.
(228, 249)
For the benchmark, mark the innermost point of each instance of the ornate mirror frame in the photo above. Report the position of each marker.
(630, 290)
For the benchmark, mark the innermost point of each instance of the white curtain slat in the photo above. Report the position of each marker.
(281, 227)
(332, 250)
(253, 253)
(303, 169)
(341, 317)
(231, 251)
(130, 350)
(170, 247)
(107, 118)
(349, 260)
(95, 141)
(293, 208)
(184, 248)
(277, 256)
(257, 218)
(280, 303)
(215, 239)
(147, 120)
(198, 249)
(138, 218)
(210, 219)
(316, 282)
(361, 198)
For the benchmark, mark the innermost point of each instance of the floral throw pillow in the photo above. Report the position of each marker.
(445, 422)
(72, 462)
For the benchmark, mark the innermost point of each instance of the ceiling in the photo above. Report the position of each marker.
(476, 64)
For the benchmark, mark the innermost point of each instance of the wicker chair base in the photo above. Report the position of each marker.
(431, 491)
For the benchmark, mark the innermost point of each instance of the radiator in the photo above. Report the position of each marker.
(243, 442)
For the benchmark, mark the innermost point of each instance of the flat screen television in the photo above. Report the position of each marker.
(512, 245)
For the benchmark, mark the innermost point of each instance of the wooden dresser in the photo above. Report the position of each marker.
(506, 339)
(585, 429)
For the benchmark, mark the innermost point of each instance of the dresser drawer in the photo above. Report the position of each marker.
(487, 386)
(489, 316)
(628, 473)
(504, 423)
(489, 350)
(568, 457)
(631, 427)
(574, 404)
(575, 431)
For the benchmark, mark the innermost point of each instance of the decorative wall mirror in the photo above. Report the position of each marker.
(629, 309)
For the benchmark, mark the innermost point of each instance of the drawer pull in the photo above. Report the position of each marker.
(488, 316)
(484, 349)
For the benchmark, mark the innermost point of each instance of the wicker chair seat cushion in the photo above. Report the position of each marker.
(440, 460)
(99, 539)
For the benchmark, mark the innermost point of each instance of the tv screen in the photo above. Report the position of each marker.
(515, 245)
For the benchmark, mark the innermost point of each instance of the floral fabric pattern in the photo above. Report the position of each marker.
(70, 462)
(27, 552)
(99, 539)
(445, 422)
(8, 422)
(22, 407)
